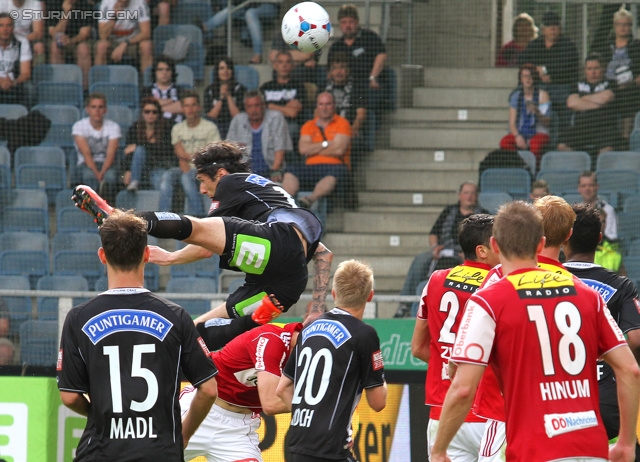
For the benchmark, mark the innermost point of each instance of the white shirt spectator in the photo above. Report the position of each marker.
(98, 140)
(18, 51)
(136, 12)
(22, 26)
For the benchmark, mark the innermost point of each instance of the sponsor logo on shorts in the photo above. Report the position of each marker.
(557, 424)
(59, 363)
(332, 330)
(251, 254)
(377, 361)
(112, 321)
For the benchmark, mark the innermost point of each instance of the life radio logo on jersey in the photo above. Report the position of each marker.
(542, 284)
(465, 278)
(557, 424)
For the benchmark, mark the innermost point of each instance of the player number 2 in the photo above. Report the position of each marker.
(571, 349)
(451, 304)
(309, 363)
(113, 352)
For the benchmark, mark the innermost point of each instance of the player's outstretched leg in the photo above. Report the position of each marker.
(269, 309)
(88, 200)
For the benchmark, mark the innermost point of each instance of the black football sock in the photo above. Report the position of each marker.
(169, 226)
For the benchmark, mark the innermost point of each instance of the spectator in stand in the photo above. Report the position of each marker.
(164, 89)
(588, 189)
(7, 352)
(72, 37)
(367, 52)
(556, 59)
(305, 65)
(15, 63)
(621, 56)
(28, 24)
(443, 239)
(187, 137)
(595, 122)
(161, 11)
(523, 31)
(224, 98)
(529, 115)
(129, 36)
(252, 15)
(539, 188)
(148, 154)
(325, 142)
(351, 102)
(265, 135)
(285, 94)
(96, 140)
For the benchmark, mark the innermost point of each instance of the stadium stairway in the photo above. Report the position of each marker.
(458, 116)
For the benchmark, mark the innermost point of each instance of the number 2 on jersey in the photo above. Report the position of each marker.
(113, 352)
(309, 363)
(567, 319)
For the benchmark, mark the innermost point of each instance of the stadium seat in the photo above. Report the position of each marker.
(50, 178)
(166, 32)
(5, 168)
(24, 210)
(632, 266)
(48, 306)
(628, 229)
(89, 242)
(19, 307)
(59, 135)
(185, 11)
(514, 181)
(205, 268)
(139, 200)
(566, 160)
(530, 160)
(246, 75)
(78, 262)
(560, 181)
(13, 111)
(59, 113)
(73, 220)
(618, 160)
(617, 185)
(24, 253)
(113, 73)
(184, 76)
(122, 115)
(102, 284)
(573, 198)
(58, 84)
(124, 94)
(193, 286)
(492, 201)
(39, 343)
(633, 250)
(194, 58)
(631, 204)
(39, 155)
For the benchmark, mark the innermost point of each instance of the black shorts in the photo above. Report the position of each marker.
(272, 257)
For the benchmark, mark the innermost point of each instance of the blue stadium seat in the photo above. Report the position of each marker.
(23, 253)
(514, 181)
(5, 168)
(89, 242)
(39, 155)
(19, 307)
(13, 111)
(24, 210)
(628, 229)
(59, 135)
(560, 181)
(59, 113)
(573, 198)
(185, 77)
(193, 285)
(39, 343)
(530, 160)
(60, 93)
(185, 11)
(492, 201)
(78, 262)
(124, 94)
(73, 220)
(166, 32)
(631, 204)
(246, 75)
(566, 160)
(50, 178)
(63, 198)
(139, 200)
(102, 284)
(618, 160)
(48, 306)
(617, 184)
(194, 58)
(205, 268)
(113, 73)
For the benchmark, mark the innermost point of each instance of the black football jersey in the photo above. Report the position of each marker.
(124, 349)
(248, 196)
(336, 357)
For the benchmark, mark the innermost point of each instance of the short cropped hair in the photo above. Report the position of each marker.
(254, 94)
(586, 230)
(557, 219)
(190, 94)
(352, 283)
(124, 238)
(474, 231)
(588, 174)
(466, 183)
(221, 154)
(540, 184)
(348, 11)
(594, 56)
(95, 95)
(518, 229)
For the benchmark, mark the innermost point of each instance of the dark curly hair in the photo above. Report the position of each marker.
(221, 154)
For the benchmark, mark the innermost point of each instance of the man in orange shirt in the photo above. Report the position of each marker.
(325, 142)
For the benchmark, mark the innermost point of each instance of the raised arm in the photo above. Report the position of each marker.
(188, 254)
(321, 273)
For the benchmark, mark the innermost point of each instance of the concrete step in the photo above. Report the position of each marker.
(376, 244)
(404, 137)
(454, 125)
(463, 98)
(451, 115)
(383, 266)
(430, 198)
(390, 222)
(469, 157)
(418, 181)
(466, 78)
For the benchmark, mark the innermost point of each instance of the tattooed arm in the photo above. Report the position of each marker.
(321, 272)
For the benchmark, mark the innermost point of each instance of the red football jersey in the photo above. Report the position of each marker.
(542, 333)
(442, 304)
(264, 348)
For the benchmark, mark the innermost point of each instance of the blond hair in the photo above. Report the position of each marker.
(352, 284)
(557, 219)
(622, 13)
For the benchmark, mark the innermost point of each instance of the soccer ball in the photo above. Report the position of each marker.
(306, 26)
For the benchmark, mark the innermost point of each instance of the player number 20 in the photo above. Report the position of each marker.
(571, 350)
(309, 363)
(113, 352)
